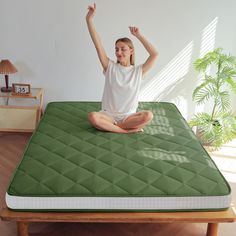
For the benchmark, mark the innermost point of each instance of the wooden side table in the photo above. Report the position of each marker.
(21, 118)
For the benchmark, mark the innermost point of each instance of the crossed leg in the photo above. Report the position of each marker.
(136, 121)
(133, 123)
(104, 122)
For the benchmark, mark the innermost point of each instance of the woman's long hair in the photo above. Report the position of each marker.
(129, 43)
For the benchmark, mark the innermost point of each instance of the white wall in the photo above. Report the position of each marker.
(49, 43)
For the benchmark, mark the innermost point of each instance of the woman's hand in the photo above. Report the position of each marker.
(91, 12)
(134, 31)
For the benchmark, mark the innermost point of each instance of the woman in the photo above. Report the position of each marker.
(122, 83)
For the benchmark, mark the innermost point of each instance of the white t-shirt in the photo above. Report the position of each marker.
(121, 90)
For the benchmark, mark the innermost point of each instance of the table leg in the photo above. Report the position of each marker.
(212, 229)
(22, 228)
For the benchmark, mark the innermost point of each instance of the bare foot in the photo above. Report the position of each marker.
(134, 130)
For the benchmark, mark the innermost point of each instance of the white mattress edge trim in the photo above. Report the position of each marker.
(113, 203)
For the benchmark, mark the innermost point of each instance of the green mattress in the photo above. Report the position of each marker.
(69, 165)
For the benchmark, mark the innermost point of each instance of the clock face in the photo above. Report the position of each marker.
(21, 89)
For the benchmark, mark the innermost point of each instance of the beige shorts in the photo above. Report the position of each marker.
(118, 118)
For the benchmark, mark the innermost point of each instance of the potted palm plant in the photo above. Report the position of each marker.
(219, 125)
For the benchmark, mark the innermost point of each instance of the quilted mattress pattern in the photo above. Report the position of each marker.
(68, 159)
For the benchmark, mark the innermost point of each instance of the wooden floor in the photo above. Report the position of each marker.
(11, 148)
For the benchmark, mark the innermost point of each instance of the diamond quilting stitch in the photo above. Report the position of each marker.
(101, 162)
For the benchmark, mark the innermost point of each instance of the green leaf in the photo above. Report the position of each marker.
(232, 84)
(199, 119)
(198, 88)
(210, 58)
(223, 101)
(217, 131)
(222, 127)
(204, 93)
(229, 61)
(227, 72)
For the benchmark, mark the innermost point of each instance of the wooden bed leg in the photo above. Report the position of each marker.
(212, 229)
(22, 228)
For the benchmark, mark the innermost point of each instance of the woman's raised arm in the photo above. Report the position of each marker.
(95, 37)
(148, 46)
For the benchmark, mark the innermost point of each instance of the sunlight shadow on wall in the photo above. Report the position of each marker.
(176, 69)
(208, 38)
(207, 44)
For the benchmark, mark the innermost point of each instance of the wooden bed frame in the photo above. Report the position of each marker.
(212, 218)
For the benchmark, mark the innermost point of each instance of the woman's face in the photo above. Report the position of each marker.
(123, 52)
